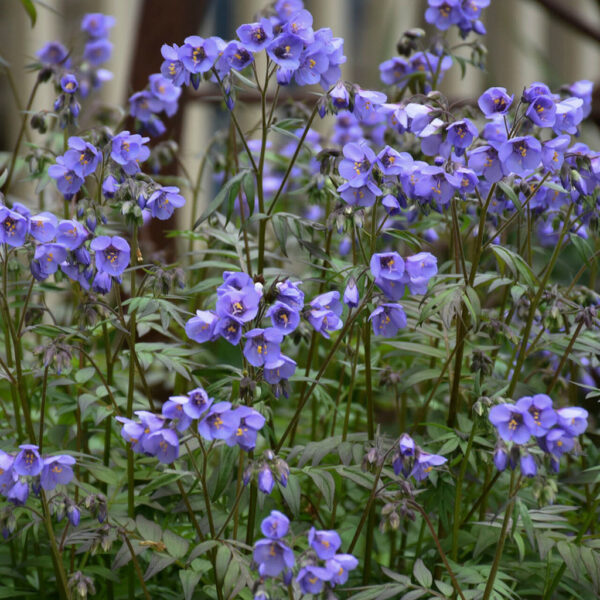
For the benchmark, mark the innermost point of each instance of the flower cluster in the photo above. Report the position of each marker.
(464, 14)
(27, 467)
(555, 431)
(410, 460)
(298, 51)
(273, 557)
(156, 435)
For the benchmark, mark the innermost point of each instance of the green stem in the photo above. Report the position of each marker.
(368, 380)
(59, 568)
(564, 358)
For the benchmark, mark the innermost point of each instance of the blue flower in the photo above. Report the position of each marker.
(201, 328)
(164, 201)
(387, 265)
(404, 457)
(251, 422)
(484, 161)
(461, 134)
(510, 422)
(325, 542)
(164, 444)
(340, 97)
(339, 566)
(495, 101)
(272, 557)
(521, 155)
(57, 470)
(97, 25)
(351, 296)
(558, 442)
(366, 103)
(419, 269)
(285, 51)
(242, 304)
(173, 409)
(102, 283)
(583, 89)
(275, 526)
(425, 463)
(71, 234)
(199, 403)
(28, 462)
(262, 346)
(220, 423)
(443, 13)
(265, 480)
(112, 254)
(143, 106)
(197, 54)
(289, 293)
(129, 150)
(311, 578)
(97, 51)
(67, 181)
(542, 111)
(18, 492)
(538, 414)
(387, 319)
(46, 259)
(281, 369)
(53, 53)
(256, 36)
(69, 84)
(359, 196)
(528, 465)
(172, 67)
(283, 317)
(569, 113)
(357, 163)
(393, 71)
(229, 328)
(13, 227)
(572, 419)
(300, 24)
(553, 152)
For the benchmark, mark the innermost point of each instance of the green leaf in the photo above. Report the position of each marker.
(515, 263)
(422, 573)
(31, 11)
(512, 195)
(291, 494)
(176, 545)
(189, 580)
(326, 484)
(149, 530)
(445, 588)
(84, 375)
(230, 189)
(158, 562)
(222, 563)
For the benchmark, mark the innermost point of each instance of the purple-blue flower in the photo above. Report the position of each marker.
(28, 462)
(251, 422)
(164, 201)
(46, 259)
(351, 296)
(242, 304)
(256, 36)
(173, 409)
(283, 317)
(418, 270)
(572, 419)
(509, 420)
(366, 103)
(569, 113)
(265, 480)
(538, 413)
(172, 67)
(97, 51)
(67, 181)
(325, 542)
(57, 470)
(112, 254)
(282, 368)
(275, 526)
(528, 465)
(521, 155)
(219, 423)
(272, 557)
(495, 101)
(425, 463)
(443, 13)
(97, 25)
(43, 226)
(542, 111)
(13, 227)
(461, 134)
(71, 234)
(230, 328)
(339, 566)
(199, 403)
(201, 328)
(387, 319)
(129, 150)
(52, 53)
(312, 578)
(198, 54)
(387, 265)
(262, 346)
(290, 293)
(484, 161)
(285, 51)
(69, 84)
(164, 444)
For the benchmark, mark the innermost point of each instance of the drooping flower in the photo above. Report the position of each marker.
(128, 150)
(42, 226)
(112, 254)
(251, 422)
(339, 566)
(164, 444)
(351, 296)
(425, 463)
(219, 423)
(57, 470)
(272, 557)
(46, 259)
(201, 328)
(510, 423)
(290, 293)
(495, 101)
(13, 227)
(164, 201)
(542, 111)
(537, 413)
(419, 269)
(528, 465)
(67, 181)
(572, 419)
(262, 346)
(275, 526)
(325, 542)
(387, 319)
(28, 462)
(230, 328)
(71, 234)
(283, 317)
(312, 578)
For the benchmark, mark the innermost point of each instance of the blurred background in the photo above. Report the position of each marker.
(557, 41)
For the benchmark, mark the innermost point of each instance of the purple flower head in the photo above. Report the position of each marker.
(97, 25)
(286, 8)
(164, 201)
(57, 470)
(143, 105)
(173, 409)
(46, 258)
(351, 296)
(7, 475)
(528, 465)
(537, 88)
(391, 162)
(313, 63)
(229, 328)
(387, 319)
(424, 464)
(13, 227)
(569, 113)
(71, 234)
(340, 97)
(325, 543)
(28, 462)
(495, 101)
(583, 89)
(443, 13)
(468, 181)
(324, 321)
(129, 150)
(359, 196)
(392, 205)
(275, 526)
(520, 155)
(283, 317)
(18, 492)
(256, 36)
(110, 187)
(67, 181)
(197, 54)
(387, 265)
(484, 161)
(74, 515)
(198, 404)
(52, 53)
(235, 280)
(553, 152)
(542, 111)
(102, 283)
(251, 422)
(436, 185)
(112, 254)
(495, 129)
(290, 293)
(220, 422)
(133, 433)
(461, 134)
(500, 457)
(538, 414)
(272, 557)
(235, 56)
(366, 103)
(339, 566)
(242, 304)
(265, 480)
(68, 83)
(164, 444)
(300, 24)
(328, 301)
(311, 579)
(419, 269)
(201, 328)
(572, 419)
(558, 442)
(393, 71)
(165, 91)
(429, 64)
(172, 67)
(509, 420)
(262, 346)
(285, 51)
(97, 52)
(282, 368)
